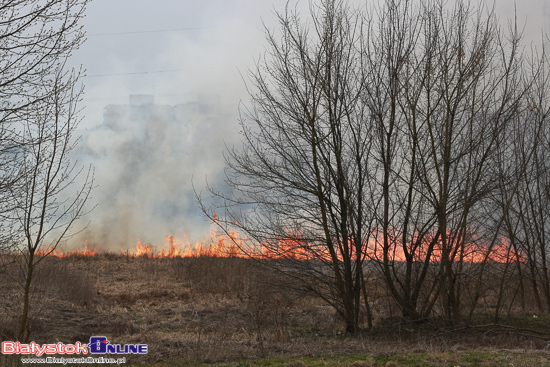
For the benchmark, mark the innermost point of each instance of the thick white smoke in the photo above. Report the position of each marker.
(188, 55)
(146, 155)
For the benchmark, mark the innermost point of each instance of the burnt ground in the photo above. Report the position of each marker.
(215, 309)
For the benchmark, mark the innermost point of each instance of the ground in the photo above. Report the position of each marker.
(215, 311)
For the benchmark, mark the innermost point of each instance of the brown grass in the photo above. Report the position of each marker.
(208, 309)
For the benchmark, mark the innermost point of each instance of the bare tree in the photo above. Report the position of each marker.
(38, 116)
(405, 229)
(35, 38)
(526, 223)
(50, 203)
(302, 172)
(443, 84)
(380, 134)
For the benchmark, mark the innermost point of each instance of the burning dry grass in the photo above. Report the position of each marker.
(209, 309)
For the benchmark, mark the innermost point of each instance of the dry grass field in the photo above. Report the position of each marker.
(193, 311)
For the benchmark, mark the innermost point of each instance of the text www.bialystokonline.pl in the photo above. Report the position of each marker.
(82, 360)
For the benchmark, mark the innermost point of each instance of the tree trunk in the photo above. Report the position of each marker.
(26, 299)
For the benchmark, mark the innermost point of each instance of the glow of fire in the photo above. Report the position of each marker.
(231, 244)
(60, 253)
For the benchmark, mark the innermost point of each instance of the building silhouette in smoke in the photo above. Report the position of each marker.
(151, 123)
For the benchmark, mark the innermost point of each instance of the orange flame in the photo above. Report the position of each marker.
(53, 251)
(216, 245)
(293, 246)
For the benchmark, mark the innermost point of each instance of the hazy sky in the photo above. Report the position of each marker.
(190, 46)
(175, 49)
(170, 48)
